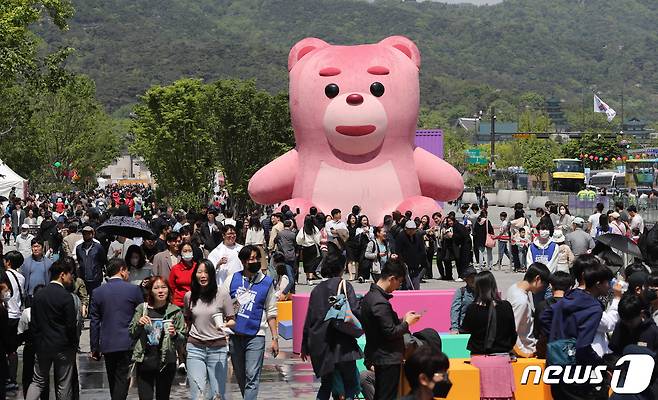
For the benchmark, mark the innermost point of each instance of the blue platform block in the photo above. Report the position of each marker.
(285, 329)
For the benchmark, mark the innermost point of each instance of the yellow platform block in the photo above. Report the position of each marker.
(530, 390)
(465, 380)
(284, 311)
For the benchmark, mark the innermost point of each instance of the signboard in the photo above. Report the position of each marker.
(521, 135)
(474, 156)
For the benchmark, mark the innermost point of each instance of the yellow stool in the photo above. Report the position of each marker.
(540, 391)
(284, 312)
(465, 380)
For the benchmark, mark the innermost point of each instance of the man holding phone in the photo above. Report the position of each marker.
(384, 330)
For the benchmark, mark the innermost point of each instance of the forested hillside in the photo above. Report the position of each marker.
(556, 47)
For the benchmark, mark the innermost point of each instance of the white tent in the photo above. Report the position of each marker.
(10, 179)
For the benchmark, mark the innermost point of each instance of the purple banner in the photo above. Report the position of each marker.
(430, 140)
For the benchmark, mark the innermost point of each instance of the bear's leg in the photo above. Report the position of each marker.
(419, 206)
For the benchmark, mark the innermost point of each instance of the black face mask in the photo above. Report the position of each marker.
(253, 267)
(442, 388)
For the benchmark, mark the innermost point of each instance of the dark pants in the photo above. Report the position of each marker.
(348, 375)
(464, 261)
(364, 270)
(367, 381)
(117, 365)
(516, 261)
(429, 274)
(4, 374)
(416, 277)
(28, 373)
(63, 364)
(154, 383)
(91, 286)
(6, 235)
(445, 269)
(387, 380)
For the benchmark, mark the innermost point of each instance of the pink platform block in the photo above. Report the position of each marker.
(435, 304)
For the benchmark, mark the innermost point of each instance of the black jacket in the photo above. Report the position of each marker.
(210, 240)
(645, 335)
(325, 345)
(54, 323)
(384, 331)
(412, 250)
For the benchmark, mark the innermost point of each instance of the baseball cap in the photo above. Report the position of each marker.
(615, 215)
(87, 229)
(25, 226)
(578, 221)
(410, 225)
(61, 218)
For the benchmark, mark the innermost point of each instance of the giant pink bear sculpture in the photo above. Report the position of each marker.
(354, 111)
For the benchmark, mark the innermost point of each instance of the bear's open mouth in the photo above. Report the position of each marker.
(355, 130)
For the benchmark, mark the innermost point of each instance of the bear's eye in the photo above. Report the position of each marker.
(377, 89)
(331, 90)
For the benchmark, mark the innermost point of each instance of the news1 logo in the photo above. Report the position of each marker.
(631, 375)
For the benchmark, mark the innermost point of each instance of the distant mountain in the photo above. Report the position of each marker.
(556, 47)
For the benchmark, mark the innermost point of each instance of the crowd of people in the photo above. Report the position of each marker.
(203, 287)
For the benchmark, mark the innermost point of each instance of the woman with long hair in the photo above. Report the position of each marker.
(377, 252)
(564, 219)
(180, 277)
(309, 239)
(490, 321)
(140, 270)
(256, 237)
(156, 327)
(430, 244)
(352, 246)
(208, 313)
(481, 229)
(363, 236)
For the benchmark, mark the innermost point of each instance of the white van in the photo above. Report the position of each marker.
(608, 180)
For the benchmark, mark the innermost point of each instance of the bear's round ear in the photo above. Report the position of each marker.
(302, 48)
(405, 45)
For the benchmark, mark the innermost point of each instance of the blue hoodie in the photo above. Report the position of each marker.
(576, 316)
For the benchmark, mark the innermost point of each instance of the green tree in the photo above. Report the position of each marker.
(537, 155)
(171, 135)
(68, 127)
(250, 128)
(596, 145)
(188, 130)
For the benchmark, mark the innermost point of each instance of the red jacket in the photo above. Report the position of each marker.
(180, 281)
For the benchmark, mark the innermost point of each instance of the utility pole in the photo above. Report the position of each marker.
(493, 137)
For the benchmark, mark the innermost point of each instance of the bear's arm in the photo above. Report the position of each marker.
(274, 182)
(438, 179)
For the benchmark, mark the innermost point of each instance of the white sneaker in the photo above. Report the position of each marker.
(181, 368)
(459, 280)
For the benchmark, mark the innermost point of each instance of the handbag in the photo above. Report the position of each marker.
(340, 313)
(490, 242)
(561, 352)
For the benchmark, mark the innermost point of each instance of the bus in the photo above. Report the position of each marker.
(641, 174)
(608, 180)
(567, 175)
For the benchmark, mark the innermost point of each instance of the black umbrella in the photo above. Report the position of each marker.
(621, 243)
(125, 226)
(612, 260)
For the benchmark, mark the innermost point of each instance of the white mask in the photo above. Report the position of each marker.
(187, 256)
(544, 234)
